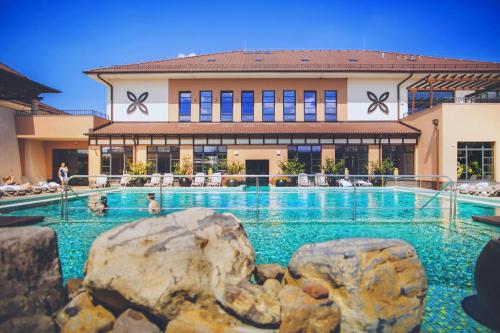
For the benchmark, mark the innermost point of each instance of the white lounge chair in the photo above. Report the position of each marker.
(12, 190)
(463, 188)
(100, 182)
(303, 180)
(364, 183)
(154, 181)
(478, 188)
(46, 186)
(168, 180)
(199, 180)
(345, 183)
(320, 180)
(215, 180)
(491, 191)
(25, 182)
(125, 180)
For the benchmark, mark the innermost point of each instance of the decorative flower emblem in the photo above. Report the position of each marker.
(137, 102)
(378, 102)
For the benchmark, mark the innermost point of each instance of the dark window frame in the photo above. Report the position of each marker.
(274, 106)
(190, 106)
(253, 106)
(294, 106)
(232, 106)
(203, 162)
(399, 155)
(336, 104)
(211, 106)
(315, 106)
(171, 157)
(312, 162)
(127, 154)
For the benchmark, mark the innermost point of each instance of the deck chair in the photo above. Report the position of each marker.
(215, 180)
(491, 191)
(478, 188)
(168, 180)
(11, 190)
(303, 180)
(125, 180)
(100, 182)
(345, 183)
(46, 186)
(154, 181)
(199, 180)
(24, 181)
(320, 180)
(463, 188)
(364, 183)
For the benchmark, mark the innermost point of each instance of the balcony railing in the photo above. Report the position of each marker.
(64, 112)
(423, 104)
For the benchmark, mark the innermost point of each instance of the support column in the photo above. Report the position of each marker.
(374, 154)
(94, 162)
(327, 151)
(141, 154)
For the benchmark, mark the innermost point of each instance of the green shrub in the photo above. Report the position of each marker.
(291, 167)
(332, 168)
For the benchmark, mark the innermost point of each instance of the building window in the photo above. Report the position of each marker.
(423, 99)
(475, 159)
(205, 106)
(289, 105)
(209, 158)
(226, 106)
(331, 105)
(115, 160)
(185, 106)
(268, 105)
(355, 158)
(309, 106)
(403, 157)
(309, 155)
(162, 159)
(247, 106)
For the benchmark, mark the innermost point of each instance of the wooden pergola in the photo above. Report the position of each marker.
(452, 82)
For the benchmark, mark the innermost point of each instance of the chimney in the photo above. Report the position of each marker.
(382, 55)
(34, 104)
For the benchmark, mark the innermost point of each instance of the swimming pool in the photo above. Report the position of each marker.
(279, 221)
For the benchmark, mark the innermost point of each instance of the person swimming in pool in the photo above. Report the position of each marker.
(154, 206)
(100, 207)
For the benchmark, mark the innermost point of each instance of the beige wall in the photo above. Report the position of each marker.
(9, 152)
(273, 153)
(94, 161)
(257, 86)
(327, 151)
(141, 154)
(373, 154)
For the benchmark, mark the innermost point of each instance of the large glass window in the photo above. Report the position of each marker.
(475, 159)
(403, 157)
(115, 160)
(185, 106)
(268, 105)
(247, 106)
(309, 155)
(309, 106)
(205, 106)
(162, 159)
(330, 105)
(423, 99)
(226, 106)
(209, 158)
(289, 105)
(354, 157)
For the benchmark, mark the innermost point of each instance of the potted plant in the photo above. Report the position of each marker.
(290, 167)
(233, 168)
(280, 181)
(137, 169)
(332, 168)
(381, 168)
(184, 168)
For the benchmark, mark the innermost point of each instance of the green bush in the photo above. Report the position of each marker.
(234, 167)
(291, 167)
(184, 166)
(384, 167)
(332, 168)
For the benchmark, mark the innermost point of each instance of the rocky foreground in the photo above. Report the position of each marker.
(194, 271)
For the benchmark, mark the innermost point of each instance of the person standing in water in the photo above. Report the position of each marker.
(154, 206)
(63, 174)
(100, 207)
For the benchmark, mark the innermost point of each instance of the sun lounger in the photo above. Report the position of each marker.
(303, 180)
(125, 180)
(345, 183)
(24, 181)
(463, 188)
(154, 181)
(215, 180)
(12, 190)
(199, 180)
(46, 186)
(491, 191)
(168, 180)
(478, 188)
(320, 180)
(100, 182)
(364, 183)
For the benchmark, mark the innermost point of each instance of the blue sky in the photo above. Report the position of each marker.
(54, 41)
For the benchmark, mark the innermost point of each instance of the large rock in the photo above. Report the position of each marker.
(300, 313)
(251, 303)
(264, 272)
(379, 284)
(82, 315)
(30, 272)
(158, 264)
(31, 324)
(131, 321)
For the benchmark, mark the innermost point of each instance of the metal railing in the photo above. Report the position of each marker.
(24, 113)
(293, 183)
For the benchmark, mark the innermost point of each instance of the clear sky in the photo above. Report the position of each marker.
(54, 41)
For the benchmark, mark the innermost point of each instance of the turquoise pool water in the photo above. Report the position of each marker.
(287, 218)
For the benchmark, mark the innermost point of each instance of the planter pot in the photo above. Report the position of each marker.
(332, 181)
(138, 182)
(281, 183)
(379, 182)
(184, 182)
(233, 183)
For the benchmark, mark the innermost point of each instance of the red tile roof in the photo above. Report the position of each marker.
(304, 61)
(11, 74)
(192, 129)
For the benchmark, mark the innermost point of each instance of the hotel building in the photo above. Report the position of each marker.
(261, 107)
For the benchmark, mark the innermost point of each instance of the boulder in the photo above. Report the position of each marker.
(131, 321)
(301, 313)
(30, 272)
(268, 271)
(379, 284)
(315, 289)
(74, 287)
(31, 324)
(272, 287)
(158, 264)
(251, 304)
(82, 315)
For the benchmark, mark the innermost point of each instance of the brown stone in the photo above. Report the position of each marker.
(131, 321)
(272, 287)
(82, 315)
(301, 313)
(251, 304)
(379, 284)
(73, 287)
(268, 271)
(315, 289)
(29, 324)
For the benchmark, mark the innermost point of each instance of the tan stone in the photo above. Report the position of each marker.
(301, 313)
(272, 287)
(131, 321)
(251, 303)
(160, 263)
(268, 271)
(379, 284)
(82, 315)
(315, 289)
(74, 287)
